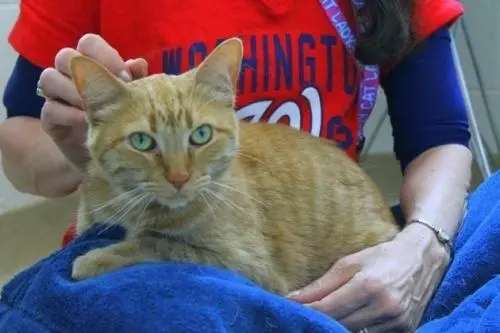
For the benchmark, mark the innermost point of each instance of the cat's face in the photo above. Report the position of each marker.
(166, 137)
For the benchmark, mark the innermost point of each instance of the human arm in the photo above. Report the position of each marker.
(31, 160)
(432, 145)
(35, 152)
(387, 286)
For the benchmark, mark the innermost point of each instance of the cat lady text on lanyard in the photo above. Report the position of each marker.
(369, 79)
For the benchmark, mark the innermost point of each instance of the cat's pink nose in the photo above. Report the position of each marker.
(178, 179)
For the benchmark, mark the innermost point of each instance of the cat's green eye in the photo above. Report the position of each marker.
(142, 141)
(201, 135)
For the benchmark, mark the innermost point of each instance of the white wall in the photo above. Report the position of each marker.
(483, 21)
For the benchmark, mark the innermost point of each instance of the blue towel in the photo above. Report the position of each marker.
(468, 299)
(192, 298)
(146, 298)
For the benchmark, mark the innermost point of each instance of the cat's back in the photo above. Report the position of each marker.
(317, 204)
(281, 147)
(294, 170)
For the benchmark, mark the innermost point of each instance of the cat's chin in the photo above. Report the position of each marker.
(177, 202)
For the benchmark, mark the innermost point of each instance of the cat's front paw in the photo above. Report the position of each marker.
(94, 263)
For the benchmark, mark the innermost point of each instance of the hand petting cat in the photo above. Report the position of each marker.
(62, 114)
(383, 288)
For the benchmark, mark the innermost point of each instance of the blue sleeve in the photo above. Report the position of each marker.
(20, 98)
(426, 106)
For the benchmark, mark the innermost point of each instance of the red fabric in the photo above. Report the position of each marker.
(69, 234)
(430, 15)
(296, 69)
(46, 26)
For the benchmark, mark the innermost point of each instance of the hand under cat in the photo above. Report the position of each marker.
(62, 116)
(383, 288)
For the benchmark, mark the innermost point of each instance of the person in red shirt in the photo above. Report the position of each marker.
(314, 65)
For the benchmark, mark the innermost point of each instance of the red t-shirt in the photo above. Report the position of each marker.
(296, 69)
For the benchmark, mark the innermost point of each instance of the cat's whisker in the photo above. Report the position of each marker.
(138, 202)
(201, 182)
(149, 200)
(110, 221)
(249, 157)
(115, 200)
(202, 195)
(224, 200)
(126, 212)
(230, 188)
(141, 224)
(113, 220)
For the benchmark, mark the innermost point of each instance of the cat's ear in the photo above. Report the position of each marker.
(97, 87)
(221, 69)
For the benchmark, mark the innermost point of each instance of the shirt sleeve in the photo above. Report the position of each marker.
(425, 102)
(431, 15)
(428, 17)
(43, 27)
(19, 97)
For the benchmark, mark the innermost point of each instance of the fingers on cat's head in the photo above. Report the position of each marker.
(96, 86)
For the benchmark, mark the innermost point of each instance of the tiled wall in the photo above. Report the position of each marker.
(482, 19)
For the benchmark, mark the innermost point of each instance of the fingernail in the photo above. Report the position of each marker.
(293, 294)
(124, 75)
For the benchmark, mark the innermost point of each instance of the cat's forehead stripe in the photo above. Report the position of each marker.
(170, 104)
(188, 116)
(152, 118)
(172, 119)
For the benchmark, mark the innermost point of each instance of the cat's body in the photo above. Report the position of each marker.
(266, 201)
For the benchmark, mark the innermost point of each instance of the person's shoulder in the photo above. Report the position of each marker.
(431, 15)
(43, 27)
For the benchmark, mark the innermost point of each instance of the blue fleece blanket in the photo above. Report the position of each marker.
(190, 298)
(146, 298)
(468, 299)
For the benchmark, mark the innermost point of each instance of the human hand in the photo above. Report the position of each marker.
(62, 113)
(384, 288)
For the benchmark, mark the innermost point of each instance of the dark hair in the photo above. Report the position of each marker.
(386, 30)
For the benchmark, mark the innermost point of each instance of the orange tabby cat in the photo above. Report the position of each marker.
(172, 164)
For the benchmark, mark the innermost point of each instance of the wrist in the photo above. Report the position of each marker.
(425, 242)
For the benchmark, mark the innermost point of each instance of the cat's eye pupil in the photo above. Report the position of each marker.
(201, 135)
